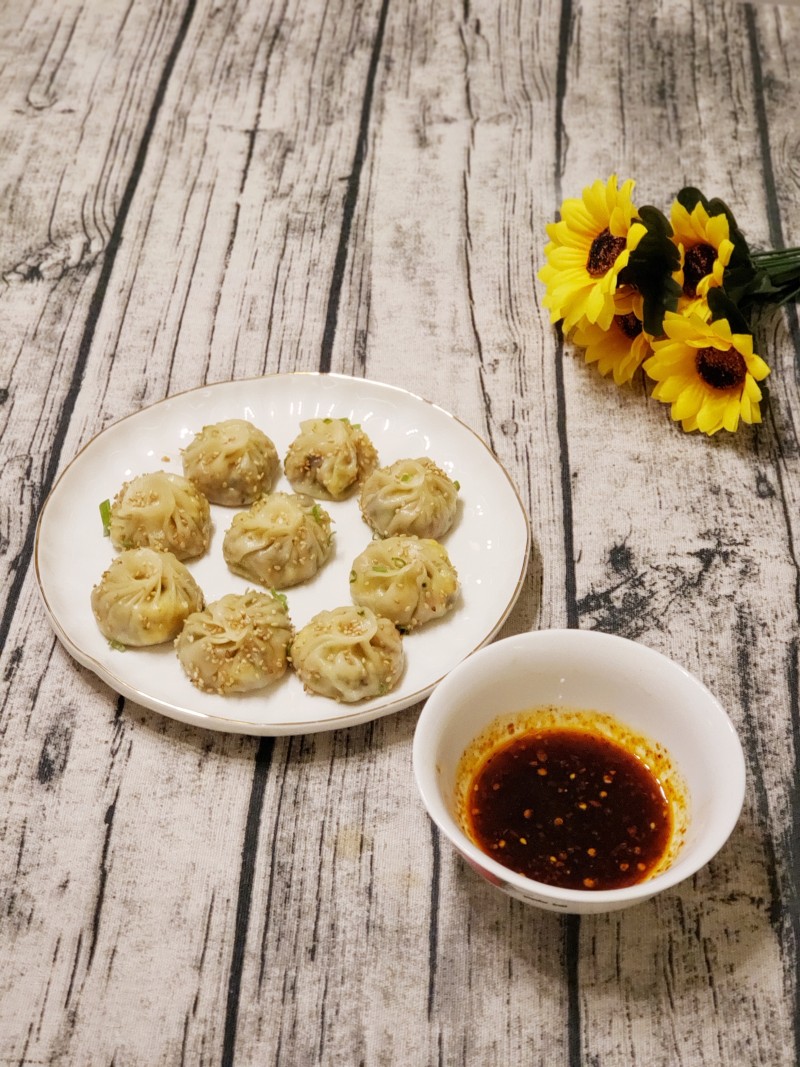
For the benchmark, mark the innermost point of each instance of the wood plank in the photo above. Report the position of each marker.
(439, 289)
(692, 556)
(213, 921)
(368, 188)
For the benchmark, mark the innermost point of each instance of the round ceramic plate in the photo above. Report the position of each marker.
(489, 544)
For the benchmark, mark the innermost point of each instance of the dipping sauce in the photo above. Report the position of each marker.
(569, 808)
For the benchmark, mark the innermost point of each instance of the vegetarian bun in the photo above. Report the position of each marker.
(163, 511)
(144, 597)
(409, 580)
(280, 541)
(413, 496)
(348, 654)
(239, 643)
(232, 462)
(329, 458)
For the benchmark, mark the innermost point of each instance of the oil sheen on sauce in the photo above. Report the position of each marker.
(569, 808)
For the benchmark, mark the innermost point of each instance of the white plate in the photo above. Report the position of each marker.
(488, 545)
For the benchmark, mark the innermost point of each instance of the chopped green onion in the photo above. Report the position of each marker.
(398, 562)
(316, 513)
(326, 421)
(117, 645)
(280, 597)
(405, 477)
(352, 576)
(457, 484)
(379, 567)
(105, 515)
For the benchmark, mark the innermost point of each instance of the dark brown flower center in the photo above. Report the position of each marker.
(721, 370)
(697, 263)
(603, 253)
(629, 324)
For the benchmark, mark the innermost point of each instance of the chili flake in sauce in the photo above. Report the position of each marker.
(569, 808)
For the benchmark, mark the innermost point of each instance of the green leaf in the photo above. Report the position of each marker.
(790, 294)
(650, 268)
(105, 516)
(689, 198)
(722, 307)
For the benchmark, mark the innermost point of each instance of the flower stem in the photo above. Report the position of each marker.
(781, 264)
(779, 271)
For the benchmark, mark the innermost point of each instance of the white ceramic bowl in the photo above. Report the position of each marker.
(647, 693)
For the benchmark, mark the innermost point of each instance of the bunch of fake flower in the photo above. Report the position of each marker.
(634, 289)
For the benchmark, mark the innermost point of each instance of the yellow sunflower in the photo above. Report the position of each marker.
(705, 247)
(588, 248)
(706, 373)
(621, 349)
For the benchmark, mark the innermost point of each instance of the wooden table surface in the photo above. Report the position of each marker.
(194, 191)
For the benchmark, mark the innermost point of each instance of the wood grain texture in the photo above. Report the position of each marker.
(193, 191)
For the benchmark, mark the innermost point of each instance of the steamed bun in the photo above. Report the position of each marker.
(280, 541)
(162, 511)
(232, 462)
(348, 654)
(239, 643)
(144, 597)
(329, 458)
(413, 496)
(409, 580)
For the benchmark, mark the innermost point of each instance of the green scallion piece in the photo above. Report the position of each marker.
(105, 515)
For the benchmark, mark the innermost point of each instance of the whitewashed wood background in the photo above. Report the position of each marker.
(193, 191)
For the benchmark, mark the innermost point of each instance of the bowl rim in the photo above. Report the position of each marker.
(425, 775)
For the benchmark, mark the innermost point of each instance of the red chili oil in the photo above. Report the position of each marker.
(569, 808)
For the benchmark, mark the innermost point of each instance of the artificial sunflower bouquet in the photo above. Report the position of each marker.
(672, 296)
